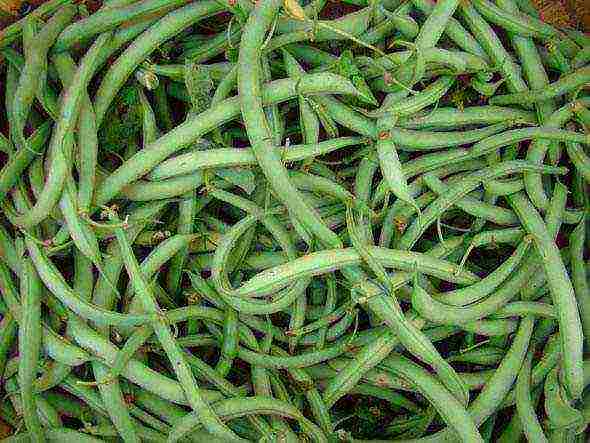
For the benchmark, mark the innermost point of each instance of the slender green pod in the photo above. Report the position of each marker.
(565, 84)
(579, 276)
(29, 338)
(561, 290)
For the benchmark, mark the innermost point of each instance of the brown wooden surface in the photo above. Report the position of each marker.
(581, 9)
(572, 13)
(555, 12)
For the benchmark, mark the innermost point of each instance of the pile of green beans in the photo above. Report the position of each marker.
(293, 221)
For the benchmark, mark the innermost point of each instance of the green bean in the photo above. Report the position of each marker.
(560, 413)
(186, 133)
(532, 65)
(56, 435)
(524, 308)
(352, 24)
(45, 95)
(77, 388)
(536, 153)
(231, 408)
(154, 261)
(488, 39)
(500, 382)
(454, 30)
(347, 117)
(517, 23)
(399, 20)
(388, 310)
(29, 338)
(524, 404)
(435, 24)
(392, 171)
(447, 406)
(35, 69)
(483, 355)
(579, 158)
(54, 346)
(330, 296)
(23, 157)
(212, 376)
(80, 233)
(310, 125)
(256, 127)
(113, 397)
(55, 282)
(48, 413)
(223, 157)
(108, 384)
(88, 156)
(277, 241)
(561, 290)
(321, 262)
(392, 397)
(504, 187)
(462, 188)
(44, 10)
(368, 357)
(109, 18)
(493, 213)
(186, 379)
(450, 118)
(579, 275)
(58, 170)
(165, 28)
(431, 94)
(311, 55)
(230, 342)
(564, 85)
(187, 210)
(8, 332)
(474, 293)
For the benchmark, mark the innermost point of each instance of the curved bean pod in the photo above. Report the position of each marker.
(197, 126)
